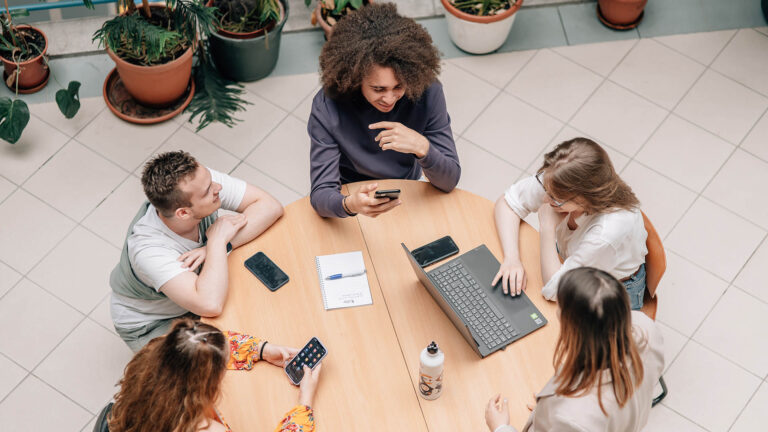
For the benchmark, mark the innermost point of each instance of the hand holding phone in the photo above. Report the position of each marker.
(361, 202)
(309, 356)
(308, 385)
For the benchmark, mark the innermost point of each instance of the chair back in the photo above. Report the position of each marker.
(656, 260)
(101, 421)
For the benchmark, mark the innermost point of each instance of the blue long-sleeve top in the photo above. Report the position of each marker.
(343, 149)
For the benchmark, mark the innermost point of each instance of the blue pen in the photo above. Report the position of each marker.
(343, 275)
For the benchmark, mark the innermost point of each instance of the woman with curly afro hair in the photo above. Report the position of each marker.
(380, 114)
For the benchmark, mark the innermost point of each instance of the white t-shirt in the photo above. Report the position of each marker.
(613, 242)
(153, 250)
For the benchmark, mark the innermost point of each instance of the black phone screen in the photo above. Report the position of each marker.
(268, 272)
(435, 251)
(310, 355)
(387, 193)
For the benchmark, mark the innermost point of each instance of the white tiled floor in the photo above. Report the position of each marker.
(683, 117)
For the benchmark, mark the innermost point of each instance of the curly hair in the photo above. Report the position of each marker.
(580, 168)
(173, 382)
(161, 178)
(376, 35)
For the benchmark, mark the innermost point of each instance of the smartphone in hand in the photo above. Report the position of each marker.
(310, 355)
(387, 193)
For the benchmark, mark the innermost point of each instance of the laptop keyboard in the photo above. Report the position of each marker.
(473, 304)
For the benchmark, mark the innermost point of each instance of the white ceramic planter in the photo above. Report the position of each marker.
(479, 34)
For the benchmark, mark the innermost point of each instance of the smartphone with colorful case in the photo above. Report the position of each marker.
(310, 355)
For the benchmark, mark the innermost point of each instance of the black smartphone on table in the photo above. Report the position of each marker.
(387, 193)
(435, 251)
(267, 271)
(310, 355)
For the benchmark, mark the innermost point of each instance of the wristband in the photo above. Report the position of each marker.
(344, 206)
(261, 351)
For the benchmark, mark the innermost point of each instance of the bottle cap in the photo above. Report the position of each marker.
(432, 348)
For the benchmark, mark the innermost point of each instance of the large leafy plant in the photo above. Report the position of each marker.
(243, 16)
(19, 45)
(152, 36)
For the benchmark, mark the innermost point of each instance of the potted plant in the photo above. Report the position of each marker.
(26, 70)
(620, 14)
(246, 43)
(153, 46)
(480, 26)
(328, 12)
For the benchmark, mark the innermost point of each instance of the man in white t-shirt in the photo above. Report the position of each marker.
(161, 275)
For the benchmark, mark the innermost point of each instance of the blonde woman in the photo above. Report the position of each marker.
(588, 216)
(607, 362)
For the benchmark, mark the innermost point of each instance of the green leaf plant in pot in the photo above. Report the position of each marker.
(23, 53)
(157, 48)
(246, 43)
(480, 26)
(328, 12)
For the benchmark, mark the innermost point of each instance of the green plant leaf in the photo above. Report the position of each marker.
(216, 98)
(68, 99)
(14, 116)
(340, 6)
(88, 4)
(356, 4)
(307, 2)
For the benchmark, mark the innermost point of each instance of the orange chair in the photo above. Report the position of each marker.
(655, 266)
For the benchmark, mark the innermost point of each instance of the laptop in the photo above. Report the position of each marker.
(487, 318)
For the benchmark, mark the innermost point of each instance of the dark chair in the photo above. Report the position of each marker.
(101, 421)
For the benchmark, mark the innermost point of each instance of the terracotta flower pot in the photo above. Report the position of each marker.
(158, 85)
(247, 35)
(155, 86)
(620, 14)
(33, 73)
(478, 34)
(327, 27)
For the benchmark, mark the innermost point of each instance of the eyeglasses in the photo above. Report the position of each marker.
(554, 201)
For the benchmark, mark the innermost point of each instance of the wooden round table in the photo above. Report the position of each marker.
(369, 378)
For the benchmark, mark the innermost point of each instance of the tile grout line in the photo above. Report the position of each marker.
(725, 161)
(272, 178)
(562, 25)
(500, 90)
(692, 341)
(567, 123)
(77, 132)
(744, 408)
(268, 134)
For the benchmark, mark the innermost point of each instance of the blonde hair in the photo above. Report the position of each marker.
(582, 170)
(595, 336)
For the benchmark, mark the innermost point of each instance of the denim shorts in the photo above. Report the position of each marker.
(636, 288)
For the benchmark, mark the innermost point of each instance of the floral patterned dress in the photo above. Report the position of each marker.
(243, 354)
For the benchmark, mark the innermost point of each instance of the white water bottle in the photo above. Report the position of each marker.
(431, 372)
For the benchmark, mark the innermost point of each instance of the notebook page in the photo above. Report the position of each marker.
(347, 291)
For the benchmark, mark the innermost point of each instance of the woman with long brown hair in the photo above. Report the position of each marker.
(173, 383)
(606, 361)
(588, 216)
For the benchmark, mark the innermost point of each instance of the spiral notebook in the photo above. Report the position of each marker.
(347, 291)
